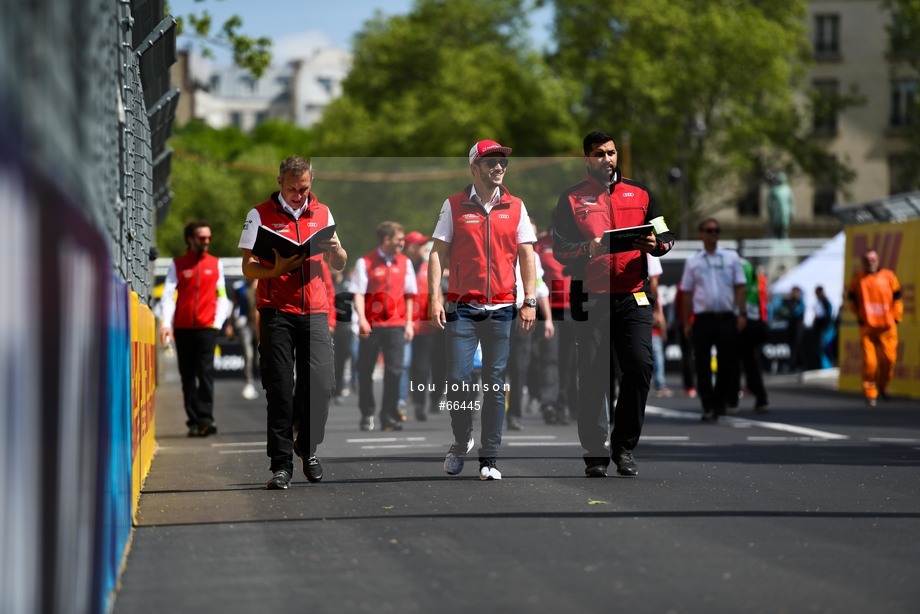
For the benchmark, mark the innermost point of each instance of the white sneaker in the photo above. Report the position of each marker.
(453, 463)
(488, 471)
(249, 392)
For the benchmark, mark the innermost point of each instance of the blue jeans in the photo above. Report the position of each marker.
(657, 363)
(466, 328)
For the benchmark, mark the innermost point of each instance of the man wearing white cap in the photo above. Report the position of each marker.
(484, 231)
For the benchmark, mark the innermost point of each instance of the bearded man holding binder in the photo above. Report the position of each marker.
(610, 300)
(293, 324)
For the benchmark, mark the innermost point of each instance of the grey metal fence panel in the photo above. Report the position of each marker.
(70, 73)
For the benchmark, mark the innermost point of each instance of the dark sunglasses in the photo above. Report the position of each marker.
(712, 230)
(493, 162)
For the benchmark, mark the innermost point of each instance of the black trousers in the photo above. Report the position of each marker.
(391, 341)
(567, 377)
(750, 347)
(343, 338)
(616, 326)
(687, 366)
(420, 369)
(195, 355)
(534, 354)
(717, 330)
(300, 344)
(438, 368)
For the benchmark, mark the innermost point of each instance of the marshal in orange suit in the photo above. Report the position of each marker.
(875, 296)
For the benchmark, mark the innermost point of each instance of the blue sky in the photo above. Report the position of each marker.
(297, 25)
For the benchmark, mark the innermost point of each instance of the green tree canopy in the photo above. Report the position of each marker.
(219, 174)
(434, 81)
(706, 85)
(253, 54)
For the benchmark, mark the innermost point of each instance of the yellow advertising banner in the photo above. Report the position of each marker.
(898, 247)
(143, 386)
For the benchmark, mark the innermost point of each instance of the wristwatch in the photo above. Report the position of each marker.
(529, 302)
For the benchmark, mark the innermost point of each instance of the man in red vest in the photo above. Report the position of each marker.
(610, 301)
(293, 303)
(192, 310)
(384, 288)
(483, 231)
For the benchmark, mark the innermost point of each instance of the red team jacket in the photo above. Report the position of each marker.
(302, 291)
(385, 297)
(196, 286)
(484, 250)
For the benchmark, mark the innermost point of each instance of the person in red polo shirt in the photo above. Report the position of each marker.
(384, 288)
(610, 301)
(293, 303)
(483, 231)
(193, 319)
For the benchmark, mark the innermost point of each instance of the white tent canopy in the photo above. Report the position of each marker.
(823, 268)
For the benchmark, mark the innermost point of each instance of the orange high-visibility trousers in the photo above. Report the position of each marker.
(879, 351)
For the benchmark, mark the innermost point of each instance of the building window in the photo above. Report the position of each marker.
(825, 193)
(903, 102)
(827, 36)
(236, 119)
(261, 116)
(214, 82)
(902, 176)
(326, 84)
(749, 203)
(825, 101)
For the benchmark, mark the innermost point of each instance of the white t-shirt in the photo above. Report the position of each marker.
(712, 279)
(654, 266)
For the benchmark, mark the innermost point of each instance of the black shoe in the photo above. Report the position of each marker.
(367, 423)
(549, 414)
(626, 464)
(281, 480)
(210, 429)
(391, 426)
(514, 424)
(312, 469)
(709, 416)
(310, 466)
(596, 471)
(193, 431)
(561, 418)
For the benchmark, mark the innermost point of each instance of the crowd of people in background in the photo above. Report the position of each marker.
(487, 316)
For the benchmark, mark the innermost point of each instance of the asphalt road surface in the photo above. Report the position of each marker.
(813, 507)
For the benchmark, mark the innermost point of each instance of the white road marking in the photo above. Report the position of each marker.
(746, 423)
(402, 446)
(384, 439)
(238, 444)
(241, 452)
(543, 443)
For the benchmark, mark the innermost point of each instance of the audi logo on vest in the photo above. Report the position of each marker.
(312, 224)
(504, 216)
(629, 194)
